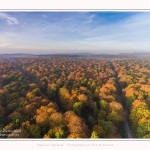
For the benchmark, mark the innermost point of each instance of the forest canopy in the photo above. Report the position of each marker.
(67, 97)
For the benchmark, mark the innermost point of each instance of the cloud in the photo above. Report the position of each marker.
(87, 22)
(9, 19)
(5, 44)
(43, 15)
(135, 28)
(77, 31)
(92, 16)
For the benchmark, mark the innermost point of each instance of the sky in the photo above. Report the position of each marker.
(74, 32)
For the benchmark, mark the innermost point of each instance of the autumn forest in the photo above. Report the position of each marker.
(63, 96)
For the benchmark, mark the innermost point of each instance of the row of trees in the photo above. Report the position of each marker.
(134, 81)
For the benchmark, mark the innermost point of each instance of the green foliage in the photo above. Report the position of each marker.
(22, 102)
(30, 95)
(114, 117)
(84, 82)
(77, 108)
(107, 125)
(142, 130)
(12, 96)
(12, 105)
(91, 121)
(138, 113)
(4, 120)
(74, 85)
(88, 84)
(95, 109)
(89, 94)
(60, 133)
(130, 100)
(103, 104)
(35, 131)
(96, 93)
(99, 131)
(12, 86)
(92, 86)
(52, 92)
(2, 102)
(57, 132)
(43, 86)
(37, 92)
(8, 79)
(17, 120)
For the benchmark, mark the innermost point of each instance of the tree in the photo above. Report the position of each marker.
(101, 114)
(147, 136)
(36, 91)
(94, 135)
(103, 104)
(92, 86)
(91, 121)
(45, 102)
(115, 106)
(52, 91)
(56, 119)
(35, 131)
(138, 113)
(76, 125)
(95, 109)
(84, 82)
(42, 119)
(30, 95)
(29, 110)
(130, 100)
(96, 93)
(64, 96)
(114, 117)
(107, 125)
(142, 130)
(12, 105)
(82, 98)
(60, 133)
(99, 131)
(77, 108)
(57, 132)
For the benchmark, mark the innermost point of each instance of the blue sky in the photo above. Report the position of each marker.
(74, 32)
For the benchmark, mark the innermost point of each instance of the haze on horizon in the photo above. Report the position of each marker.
(74, 32)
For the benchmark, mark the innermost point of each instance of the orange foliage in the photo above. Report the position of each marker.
(138, 103)
(82, 98)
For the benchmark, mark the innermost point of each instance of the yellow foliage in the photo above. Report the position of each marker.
(9, 127)
(46, 136)
(30, 95)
